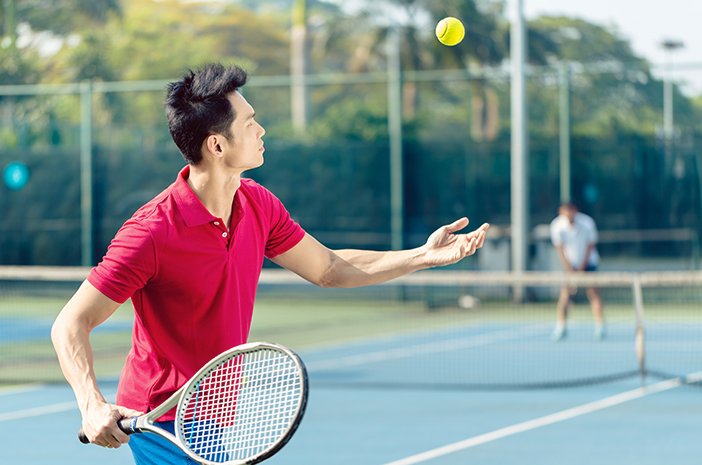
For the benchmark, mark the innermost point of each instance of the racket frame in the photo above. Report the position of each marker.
(226, 356)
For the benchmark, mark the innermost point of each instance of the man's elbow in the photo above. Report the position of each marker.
(65, 327)
(327, 281)
(58, 331)
(330, 275)
(345, 277)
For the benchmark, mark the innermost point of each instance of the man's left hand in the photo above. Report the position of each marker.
(444, 247)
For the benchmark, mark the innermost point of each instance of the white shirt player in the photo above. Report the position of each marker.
(575, 238)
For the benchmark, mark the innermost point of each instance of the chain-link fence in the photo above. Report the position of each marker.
(335, 178)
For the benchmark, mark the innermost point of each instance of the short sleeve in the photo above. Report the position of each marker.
(593, 232)
(128, 264)
(284, 232)
(556, 232)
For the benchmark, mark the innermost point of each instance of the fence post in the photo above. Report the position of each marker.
(395, 135)
(564, 130)
(86, 173)
(298, 66)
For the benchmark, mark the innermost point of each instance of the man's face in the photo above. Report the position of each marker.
(568, 212)
(244, 148)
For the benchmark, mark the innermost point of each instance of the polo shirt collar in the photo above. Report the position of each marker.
(191, 208)
(193, 211)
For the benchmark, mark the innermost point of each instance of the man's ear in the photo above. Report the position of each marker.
(212, 145)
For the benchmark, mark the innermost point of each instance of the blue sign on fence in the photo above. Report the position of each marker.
(16, 175)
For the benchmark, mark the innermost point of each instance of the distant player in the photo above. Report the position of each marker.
(190, 260)
(574, 234)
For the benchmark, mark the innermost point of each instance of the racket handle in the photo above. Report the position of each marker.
(127, 425)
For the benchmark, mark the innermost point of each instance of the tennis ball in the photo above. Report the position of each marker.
(450, 31)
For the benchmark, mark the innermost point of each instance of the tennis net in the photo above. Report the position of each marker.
(432, 329)
(462, 330)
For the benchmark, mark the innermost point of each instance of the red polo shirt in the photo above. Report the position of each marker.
(192, 282)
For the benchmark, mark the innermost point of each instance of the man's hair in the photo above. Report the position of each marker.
(197, 106)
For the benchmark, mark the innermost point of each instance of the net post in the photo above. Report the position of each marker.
(640, 332)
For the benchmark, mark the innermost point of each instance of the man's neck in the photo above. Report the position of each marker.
(215, 189)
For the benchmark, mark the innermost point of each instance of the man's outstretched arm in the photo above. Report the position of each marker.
(355, 268)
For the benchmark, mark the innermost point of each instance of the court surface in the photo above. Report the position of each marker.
(347, 423)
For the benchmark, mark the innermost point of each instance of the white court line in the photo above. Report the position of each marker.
(547, 420)
(45, 410)
(428, 348)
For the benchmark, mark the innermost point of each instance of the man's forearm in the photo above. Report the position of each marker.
(72, 345)
(353, 268)
(586, 257)
(356, 268)
(70, 335)
(563, 259)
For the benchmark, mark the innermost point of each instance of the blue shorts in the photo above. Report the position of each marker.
(152, 449)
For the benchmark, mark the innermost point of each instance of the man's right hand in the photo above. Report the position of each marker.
(100, 424)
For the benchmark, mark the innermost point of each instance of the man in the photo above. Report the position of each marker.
(190, 260)
(574, 234)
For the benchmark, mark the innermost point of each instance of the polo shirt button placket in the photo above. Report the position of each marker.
(225, 235)
(227, 238)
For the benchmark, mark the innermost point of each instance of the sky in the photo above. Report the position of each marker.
(646, 23)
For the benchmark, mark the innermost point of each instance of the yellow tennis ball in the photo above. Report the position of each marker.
(450, 31)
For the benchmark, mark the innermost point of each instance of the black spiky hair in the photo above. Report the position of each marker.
(197, 106)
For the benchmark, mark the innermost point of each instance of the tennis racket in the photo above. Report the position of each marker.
(240, 408)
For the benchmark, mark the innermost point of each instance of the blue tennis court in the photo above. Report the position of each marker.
(23, 329)
(356, 415)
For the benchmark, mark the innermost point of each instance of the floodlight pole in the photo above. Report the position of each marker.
(519, 148)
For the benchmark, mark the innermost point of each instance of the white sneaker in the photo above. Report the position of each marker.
(558, 334)
(599, 333)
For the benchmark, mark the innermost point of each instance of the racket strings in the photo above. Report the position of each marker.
(241, 407)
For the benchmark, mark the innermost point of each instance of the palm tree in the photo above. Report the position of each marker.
(483, 44)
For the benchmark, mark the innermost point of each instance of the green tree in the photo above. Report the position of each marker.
(64, 17)
(612, 89)
(357, 42)
(160, 40)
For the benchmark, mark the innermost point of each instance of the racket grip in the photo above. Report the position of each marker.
(127, 425)
(82, 437)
